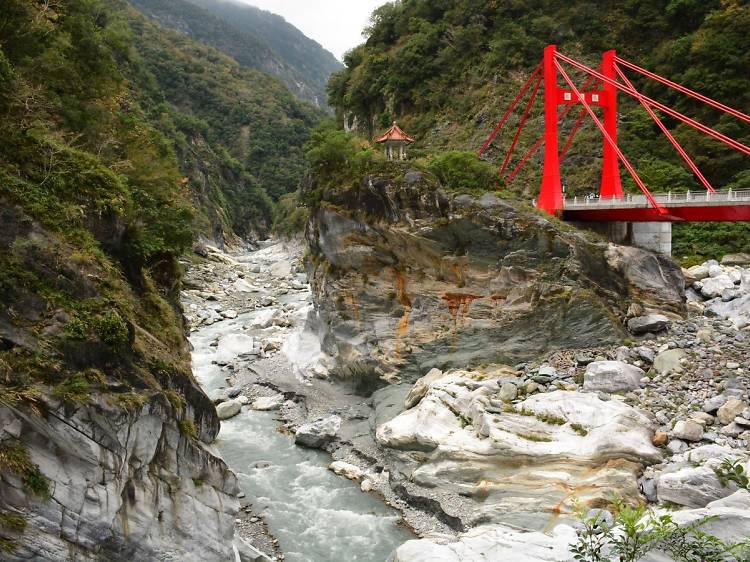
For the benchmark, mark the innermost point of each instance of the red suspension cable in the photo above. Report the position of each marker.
(609, 140)
(660, 106)
(507, 113)
(578, 122)
(664, 130)
(540, 141)
(529, 105)
(705, 99)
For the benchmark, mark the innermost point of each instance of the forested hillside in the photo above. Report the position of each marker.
(254, 38)
(448, 69)
(120, 142)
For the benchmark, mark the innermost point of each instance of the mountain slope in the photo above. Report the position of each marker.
(447, 70)
(119, 142)
(255, 38)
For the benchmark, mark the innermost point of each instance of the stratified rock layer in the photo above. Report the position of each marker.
(406, 278)
(123, 484)
(534, 457)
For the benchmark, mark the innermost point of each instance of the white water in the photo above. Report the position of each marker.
(316, 515)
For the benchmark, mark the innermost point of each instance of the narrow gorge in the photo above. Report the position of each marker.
(263, 302)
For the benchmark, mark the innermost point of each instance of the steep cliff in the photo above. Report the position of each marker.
(104, 434)
(407, 277)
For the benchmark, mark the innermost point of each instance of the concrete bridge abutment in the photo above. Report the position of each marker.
(654, 236)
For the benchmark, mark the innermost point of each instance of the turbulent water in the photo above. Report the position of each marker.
(316, 515)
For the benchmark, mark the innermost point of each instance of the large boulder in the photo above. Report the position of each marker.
(551, 442)
(612, 376)
(453, 280)
(648, 323)
(319, 433)
(713, 287)
(228, 409)
(491, 542)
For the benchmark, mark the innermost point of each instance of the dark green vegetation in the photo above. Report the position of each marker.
(634, 532)
(119, 142)
(447, 69)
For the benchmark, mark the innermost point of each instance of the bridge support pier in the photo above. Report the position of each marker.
(654, 236)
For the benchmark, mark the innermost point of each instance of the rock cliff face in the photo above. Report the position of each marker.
(121, 485)
(104, 434)
(407, 277)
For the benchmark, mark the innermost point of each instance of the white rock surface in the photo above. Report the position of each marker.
(268, 402)
(228, 409)
(478, 451)
(612, 376)
(318, 433)
(491, 543)
(123, 486)
(348, 470)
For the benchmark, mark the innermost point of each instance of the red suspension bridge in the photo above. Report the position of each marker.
(601, 89)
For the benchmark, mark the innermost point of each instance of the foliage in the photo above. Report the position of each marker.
(447, 70)
(699, 241)
(290, 217)
(635, 532)
(733, 471)
(463, 170)
(16, 459)
(187, 428)
(255, 38)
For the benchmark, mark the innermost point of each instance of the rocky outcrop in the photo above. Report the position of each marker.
(491, 542)
(121, 484)
(534, 456)
(406, 278)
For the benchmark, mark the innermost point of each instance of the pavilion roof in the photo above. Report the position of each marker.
(395, 134)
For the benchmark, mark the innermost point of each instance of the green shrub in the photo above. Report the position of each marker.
(635, 532)
(459, 170)
(16, 459)
(290, 217)
(112, 329)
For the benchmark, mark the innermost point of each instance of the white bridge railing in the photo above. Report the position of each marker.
(669, 199)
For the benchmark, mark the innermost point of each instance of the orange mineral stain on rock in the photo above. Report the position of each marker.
(403, 324)
(458, 306)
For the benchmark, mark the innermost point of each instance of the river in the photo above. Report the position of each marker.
(316, 515)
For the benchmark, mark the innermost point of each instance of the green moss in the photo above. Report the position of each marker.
(534, 437)
(187, 428)
(112, 329)
(175, 399)
(8, 545)
(16, 459)
(132, 401)
(551, 419)
(198, 482)
(579, 429)
(75, 388)
(13, 522)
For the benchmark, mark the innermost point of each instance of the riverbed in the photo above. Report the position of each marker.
(315, 515)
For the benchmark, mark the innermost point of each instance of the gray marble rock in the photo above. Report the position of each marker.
(612, 376)
(319, 433)
(650, 323)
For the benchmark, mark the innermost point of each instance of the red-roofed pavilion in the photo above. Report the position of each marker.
(395, 138)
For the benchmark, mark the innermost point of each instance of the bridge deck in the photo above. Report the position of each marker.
(693, 206)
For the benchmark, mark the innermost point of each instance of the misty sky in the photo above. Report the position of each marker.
(335, 24)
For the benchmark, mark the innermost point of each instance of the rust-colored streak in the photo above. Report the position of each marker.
(402, 329)
(459, 305)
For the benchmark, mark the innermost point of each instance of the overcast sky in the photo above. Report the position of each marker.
(335, 24)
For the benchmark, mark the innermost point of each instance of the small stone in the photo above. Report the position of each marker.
(730, 410)
(732, 365)
(688, 431)
(675, 446)
(713, 404)
(660, 438)
(508, 392)
(228, 409)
